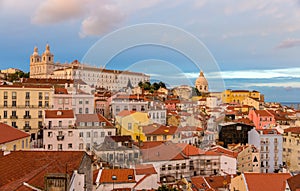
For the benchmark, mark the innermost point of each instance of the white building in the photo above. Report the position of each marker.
(43, 66)
(90, 130)
(269, 143)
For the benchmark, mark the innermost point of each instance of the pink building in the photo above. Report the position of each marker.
(171, 104)
(62, 99)
(262, 119)
(59, 118)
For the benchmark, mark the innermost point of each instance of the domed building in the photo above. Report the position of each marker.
(201, 83)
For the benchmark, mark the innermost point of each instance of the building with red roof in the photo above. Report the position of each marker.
(44, 170)
(261, 182)
(12, 139)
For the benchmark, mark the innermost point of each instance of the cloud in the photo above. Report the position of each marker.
(103, 18)
(289, 43)
(55, 11)
(251, 74)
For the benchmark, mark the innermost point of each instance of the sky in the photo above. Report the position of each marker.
(255, 44)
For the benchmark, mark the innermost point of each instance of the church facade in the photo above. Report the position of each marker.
(43, 66)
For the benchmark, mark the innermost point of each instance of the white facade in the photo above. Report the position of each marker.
(75, 139)
(269, 144)
(118, 105)
(158, 115)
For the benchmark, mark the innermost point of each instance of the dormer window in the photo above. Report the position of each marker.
(130, 177)
(59, 112)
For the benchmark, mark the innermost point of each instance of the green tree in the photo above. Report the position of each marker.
(162, 85)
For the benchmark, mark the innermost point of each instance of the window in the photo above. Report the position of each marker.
(5, 95)
(70, 133)
(46, 103)
(14, 113)
(169, 167)
(88, 134)
(59, 146)
(86, 110)
(163, 167)
(177, 166)
(102, 134)
(70, 146)
(5, 103)
(154, 138)
(40, 114)
(164, 137)
(22, 144)
(67, 101)
(4, 114)
(80, 145)
(86, 101)
(14, 95)
(27, 103)
(14, 103)
(60, 123)
(50, 146)
(109, 133)
(40, 95)
(14, 124)
(129, 126)
(95, 134)
(148, 138)
(80, 110)
(183, 166)
(27, 95)
(80, 101)
(60, 101)
(40, 103)
(80, 134)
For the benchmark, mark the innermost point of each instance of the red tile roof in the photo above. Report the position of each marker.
(268, 131)
(157, 129)
(189, 150)
(221, 150)
(125, 113)
(59, 114)
(295, 130)
(9, 133)
(263, 113)
(92, 118)
(31, 167)
(122, 176)
(60, 91)
(266, 181)
(163, 152)
(141, 169)
(294, 182)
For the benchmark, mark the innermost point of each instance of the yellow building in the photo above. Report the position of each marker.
(21, 106)
(291, 149)
(257, 104)
(12, 139)
(10, 71)
(248, 159)
(131, 122)
(238, 96)
(157, 132)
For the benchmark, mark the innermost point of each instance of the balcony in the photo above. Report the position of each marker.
(27, 116)
(40, 116)
(14, 117)
(5, 97)
(14, 97)
(27, 128)
(60, 137)
(27, 97)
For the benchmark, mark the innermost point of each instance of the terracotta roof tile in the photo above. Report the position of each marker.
(145, 169)
(294, 182)
(125, 113)
(31, 167)
(9, 133)
(122, 176)
(266, 181)
(189, 150)
(157, 129)
(263, 113)
(92, 118)
(295, 130)
(60, 91)
(59, 114)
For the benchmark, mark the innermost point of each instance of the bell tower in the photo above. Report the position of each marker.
(41, 66)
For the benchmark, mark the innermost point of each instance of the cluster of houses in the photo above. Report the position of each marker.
(60, 132)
